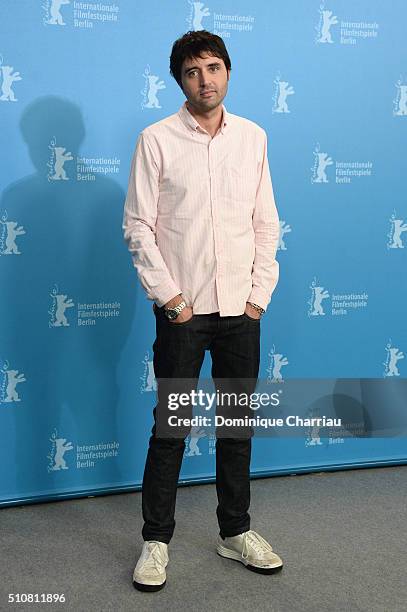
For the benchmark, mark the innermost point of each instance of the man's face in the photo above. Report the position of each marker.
(204, 81)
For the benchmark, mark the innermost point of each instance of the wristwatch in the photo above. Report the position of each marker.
(172, 313)
(258, 308)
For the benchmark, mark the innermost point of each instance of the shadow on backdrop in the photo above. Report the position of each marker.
(72, 252)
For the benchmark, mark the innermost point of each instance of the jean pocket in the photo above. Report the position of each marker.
(246, 316)
(179, 324)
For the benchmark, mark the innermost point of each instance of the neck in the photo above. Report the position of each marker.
(210, 121)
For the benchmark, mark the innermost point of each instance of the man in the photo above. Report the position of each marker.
(202, 227)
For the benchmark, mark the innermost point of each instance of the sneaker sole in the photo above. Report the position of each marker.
(148, 587)
(231, 554)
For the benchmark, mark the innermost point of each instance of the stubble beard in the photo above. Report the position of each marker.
(210, 104)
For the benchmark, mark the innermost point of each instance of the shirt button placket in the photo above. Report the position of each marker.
(216, 236)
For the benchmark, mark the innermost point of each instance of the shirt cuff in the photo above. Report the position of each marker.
(260, 297)
(166, 293)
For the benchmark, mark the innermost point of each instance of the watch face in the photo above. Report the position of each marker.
(171, 314)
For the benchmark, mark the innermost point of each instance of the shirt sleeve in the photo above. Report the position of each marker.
(266, 225)
(139, 225)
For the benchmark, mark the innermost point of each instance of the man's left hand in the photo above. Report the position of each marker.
(252, 312)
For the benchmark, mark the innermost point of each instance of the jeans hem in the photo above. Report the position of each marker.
(224, 535)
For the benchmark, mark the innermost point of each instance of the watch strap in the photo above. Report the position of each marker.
(177, 309)
(257, 307)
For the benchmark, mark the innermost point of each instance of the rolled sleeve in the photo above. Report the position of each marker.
(266, 225)
(139, 225)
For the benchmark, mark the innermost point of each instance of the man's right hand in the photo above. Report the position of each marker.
(185, 314)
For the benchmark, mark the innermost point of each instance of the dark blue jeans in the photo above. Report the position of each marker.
(179, 351)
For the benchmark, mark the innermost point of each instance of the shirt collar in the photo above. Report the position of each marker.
(191, 123)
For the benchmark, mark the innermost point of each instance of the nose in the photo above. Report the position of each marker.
(205, 79)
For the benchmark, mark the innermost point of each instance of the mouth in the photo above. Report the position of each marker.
(207, 94)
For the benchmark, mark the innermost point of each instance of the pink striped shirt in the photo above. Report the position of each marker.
(200, 217)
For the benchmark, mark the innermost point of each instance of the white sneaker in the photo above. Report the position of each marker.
(252, 550)
(149, 573)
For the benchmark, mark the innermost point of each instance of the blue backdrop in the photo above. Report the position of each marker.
(78, 82)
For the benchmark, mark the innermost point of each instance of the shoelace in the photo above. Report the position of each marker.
(259, 544)
(156, 559)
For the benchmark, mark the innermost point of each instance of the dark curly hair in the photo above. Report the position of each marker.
(192, 44)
